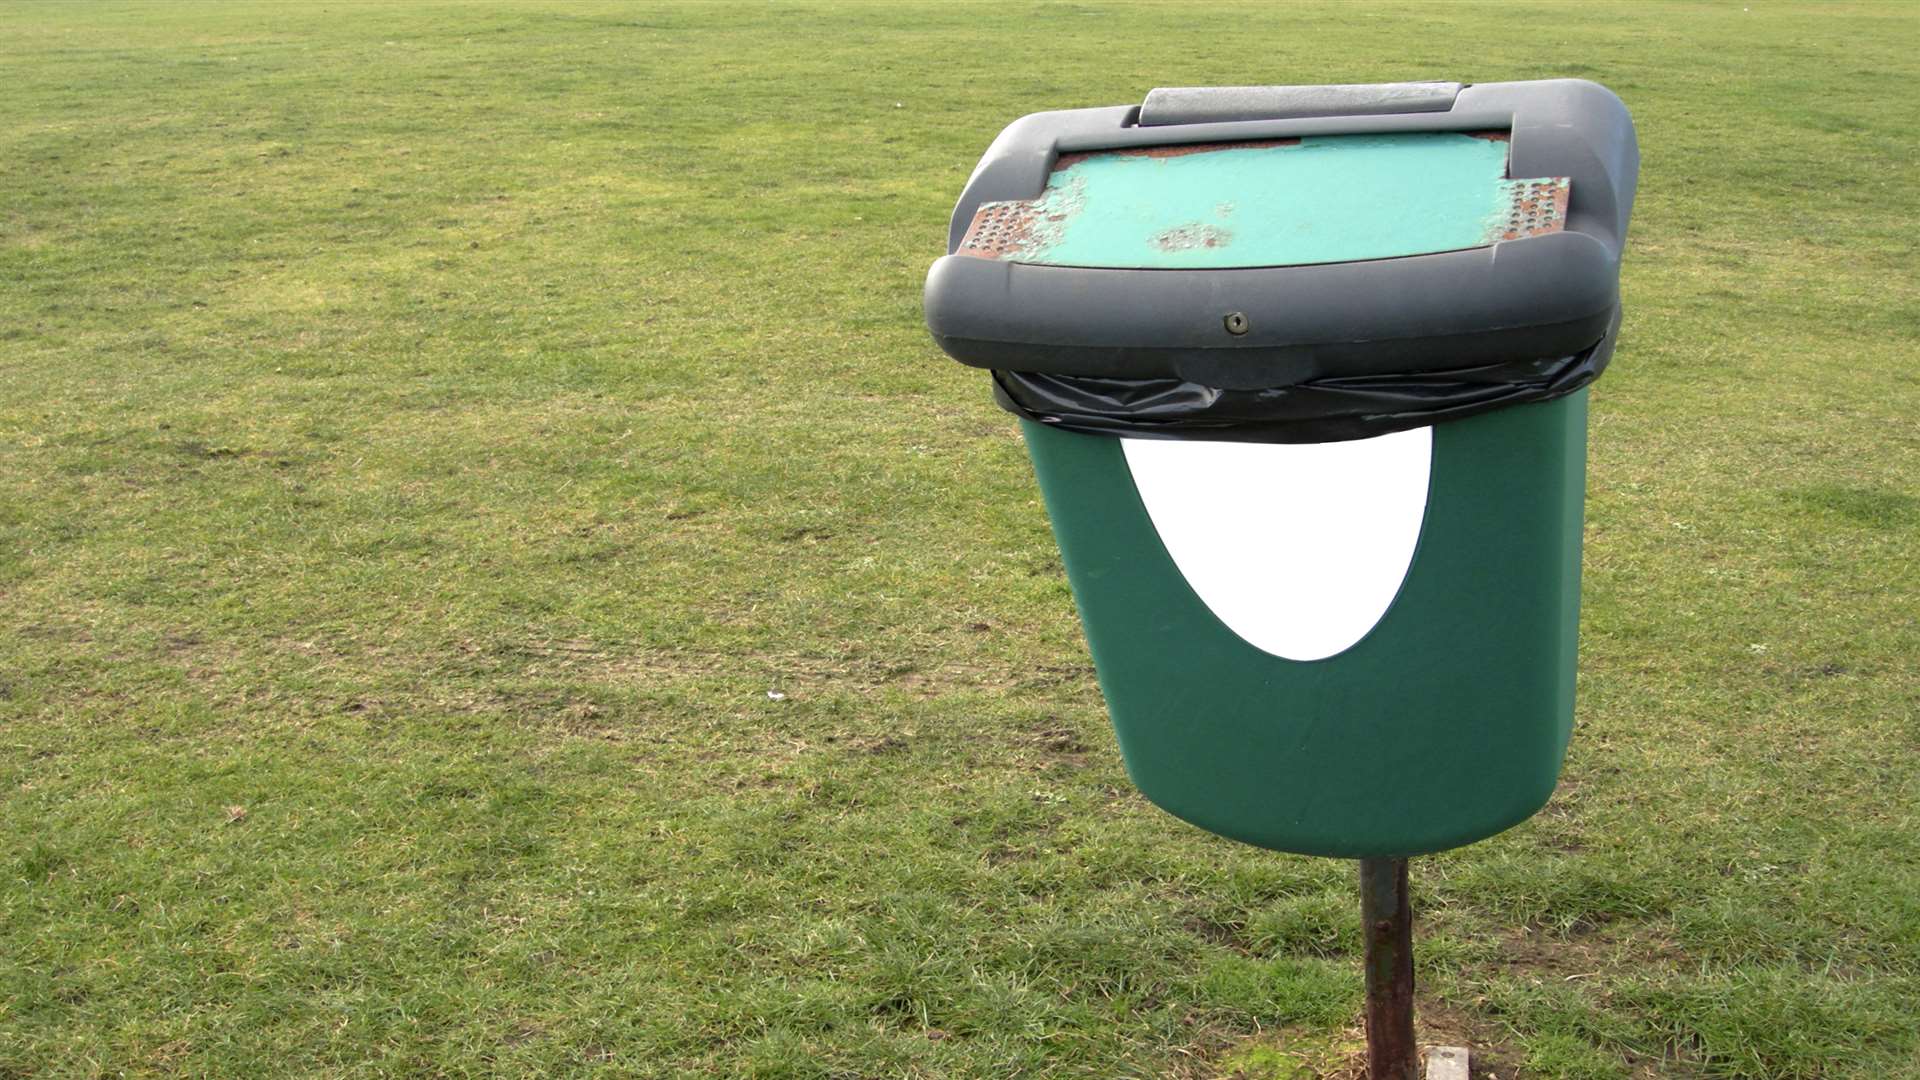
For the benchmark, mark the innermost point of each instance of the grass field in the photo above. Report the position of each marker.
(432, 436)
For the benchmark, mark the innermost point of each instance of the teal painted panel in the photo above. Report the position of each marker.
(1322, 199)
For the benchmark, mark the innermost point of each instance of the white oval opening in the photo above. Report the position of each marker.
(1298, 549)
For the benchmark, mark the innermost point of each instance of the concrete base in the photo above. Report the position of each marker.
(1447, 1063)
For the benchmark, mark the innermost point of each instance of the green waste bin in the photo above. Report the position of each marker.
(1302, 371)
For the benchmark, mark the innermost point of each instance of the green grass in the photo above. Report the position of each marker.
(428, 433)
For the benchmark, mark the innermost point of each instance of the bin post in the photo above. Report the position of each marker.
(1387, 925)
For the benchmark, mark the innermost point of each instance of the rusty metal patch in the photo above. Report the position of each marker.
(1000, 230)
(1068, 161)
(1536, 207)
(1193, 237)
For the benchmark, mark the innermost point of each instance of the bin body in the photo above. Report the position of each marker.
(1444, 724)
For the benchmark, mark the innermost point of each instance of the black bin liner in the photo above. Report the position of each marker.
(1326, 409)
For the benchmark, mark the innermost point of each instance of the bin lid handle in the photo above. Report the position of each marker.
(1220, 104)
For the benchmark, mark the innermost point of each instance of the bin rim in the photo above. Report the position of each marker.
(1538, 296)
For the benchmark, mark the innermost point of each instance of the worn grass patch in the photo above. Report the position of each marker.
(494, 579)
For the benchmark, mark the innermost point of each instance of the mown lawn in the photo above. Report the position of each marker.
(432, 438)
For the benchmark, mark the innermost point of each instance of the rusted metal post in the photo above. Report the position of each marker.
(1387, 922)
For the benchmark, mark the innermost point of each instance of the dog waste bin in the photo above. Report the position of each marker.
(1302, 371)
